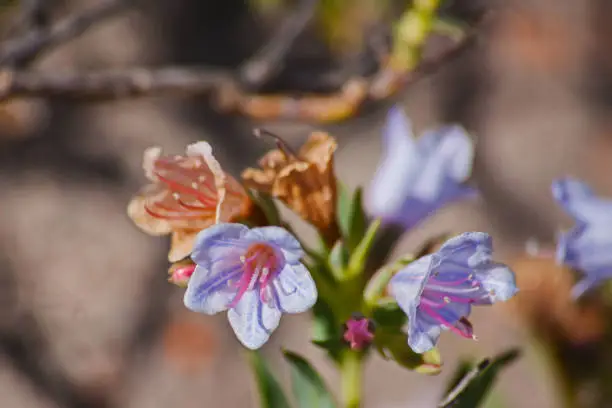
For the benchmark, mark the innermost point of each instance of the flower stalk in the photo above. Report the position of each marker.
(351, 370)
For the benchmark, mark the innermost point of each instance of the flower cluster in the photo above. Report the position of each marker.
(231, 261)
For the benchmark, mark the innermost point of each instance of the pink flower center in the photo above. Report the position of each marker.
(260, 264)
(439, 294)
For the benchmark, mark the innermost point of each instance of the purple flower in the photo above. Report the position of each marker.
(417, 177)
(437, 291)
(255, 273)
(587, 247)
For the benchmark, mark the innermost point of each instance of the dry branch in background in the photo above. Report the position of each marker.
(225, 87)
(25, 48)
(268, 61)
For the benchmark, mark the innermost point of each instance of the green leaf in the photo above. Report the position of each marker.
(375, 288)
(270, 392)
(471, 390)
(389, 314)
(326, 329)
(338, 260)
(450, 27)
(358, 259)
(267, 205)
(351, 217)
(308, 386)
(393, 344)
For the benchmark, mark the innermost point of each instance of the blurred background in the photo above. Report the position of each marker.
(87, 318)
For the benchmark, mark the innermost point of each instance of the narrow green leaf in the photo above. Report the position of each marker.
(358, 259)
(267, 205)
(375, 288)
(474, 386)
(338, 259)
(326, 332)
(352, 220)
(308, 386)
(270, 392)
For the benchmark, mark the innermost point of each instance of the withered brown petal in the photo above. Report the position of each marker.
(319, 149)
(260, 180)
(300, 186)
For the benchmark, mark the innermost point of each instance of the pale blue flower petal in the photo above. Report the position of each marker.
(406, 285)
(290, 246)
(215, 241)
(253, 321)
(391, 184)
(208, 290)
(438, 290)
(471, 249)
(423, 335)
(415, 179)
(294, 289)
(452, 146)
(498, 280)
(585, 247)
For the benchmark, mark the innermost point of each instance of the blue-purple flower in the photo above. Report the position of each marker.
(437, 291)
(255, 274)
(587, 247)
(417, 177)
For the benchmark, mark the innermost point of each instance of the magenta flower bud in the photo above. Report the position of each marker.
(359, 332)
(180, 273)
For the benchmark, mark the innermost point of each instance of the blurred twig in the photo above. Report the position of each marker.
(137, 82)
(112, 84)
(29, 46)
(269, 59)
(349, 97)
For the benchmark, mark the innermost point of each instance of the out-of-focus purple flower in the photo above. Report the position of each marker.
(255, 273)
(587, 247)
(437, 291)
(359, 332)
(416, 177)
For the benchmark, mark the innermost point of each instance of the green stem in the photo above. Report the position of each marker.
(351, 372)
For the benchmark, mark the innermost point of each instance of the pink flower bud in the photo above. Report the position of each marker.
(359, 332)
(180, 274)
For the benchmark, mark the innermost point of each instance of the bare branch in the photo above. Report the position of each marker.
(268, 60)
(112, 84)
(23, 49)
(349, 95)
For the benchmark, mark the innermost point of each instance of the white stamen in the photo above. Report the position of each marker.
(242, 258)
(194, 185)
(447, 299)
(176, 196)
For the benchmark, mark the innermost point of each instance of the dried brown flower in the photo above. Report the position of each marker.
(305, 181)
